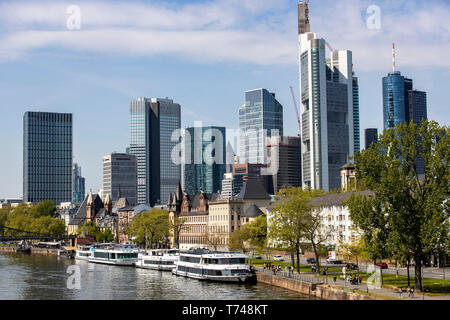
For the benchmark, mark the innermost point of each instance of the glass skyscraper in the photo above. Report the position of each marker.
(395, 99)
(205, 168)
(47, 157)
(152, 122)
(370, 136)
(329, 108)
(120, 177)
(78, 184)
(260, 112)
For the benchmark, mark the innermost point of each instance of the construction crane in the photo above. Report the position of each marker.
(296, 112)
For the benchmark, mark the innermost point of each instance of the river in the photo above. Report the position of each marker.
(39, 277)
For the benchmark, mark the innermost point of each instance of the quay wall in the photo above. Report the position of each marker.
(48, 252)
(319, 291)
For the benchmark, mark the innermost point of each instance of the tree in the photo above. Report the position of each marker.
(292, 218)
(239, 240)
(150, 227)
(45, 208)
(352, 249)
(177, 225)
(408, 215)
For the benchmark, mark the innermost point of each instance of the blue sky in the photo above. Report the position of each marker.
(202, 54)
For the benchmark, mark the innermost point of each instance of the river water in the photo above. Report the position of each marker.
(36, 277)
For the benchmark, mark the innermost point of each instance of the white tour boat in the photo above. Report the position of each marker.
(204, 264)
(158, 259)
(84, 252)
(114, 255)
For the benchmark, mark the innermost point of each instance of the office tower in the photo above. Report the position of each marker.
(152, 122)
(288, 161)
(370, 136)
(260, 114)
(417, 106)
(230, 186)
(395, 99)
(47, 157)
(205, 167)
(327, 110)
(242, 172)
(356, 126)
(78, 184)
(120, 177)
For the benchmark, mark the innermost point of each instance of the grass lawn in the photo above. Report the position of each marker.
(436, 286)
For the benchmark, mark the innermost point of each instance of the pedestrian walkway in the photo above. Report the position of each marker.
(381, 292)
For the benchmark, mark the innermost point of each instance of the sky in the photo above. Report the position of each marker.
(90, 58)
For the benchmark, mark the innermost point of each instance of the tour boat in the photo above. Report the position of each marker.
(158, 259)
(204, 264)
(84, 252)
(119, 256)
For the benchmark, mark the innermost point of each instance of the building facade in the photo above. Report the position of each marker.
(329, 108)
(78, 184)
(260, 117)
(206, 165)
(395, 99)
(152, 123)
(120, 176)
(288, 162)
(370, 136)
(47, 157)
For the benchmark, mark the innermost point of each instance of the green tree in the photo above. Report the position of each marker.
(408, 215)
(45, 208)
(150, 227)
(177, 225)
(293, 218)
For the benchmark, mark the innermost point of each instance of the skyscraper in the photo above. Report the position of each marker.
(370, 136)
(205, 167)
(47, 157)
(78, 184)
(288, 162)
(260, 114)
(120, 177)
(152, 122)
(395, 99)
(417, 106)
(356, 125)
(328, 108)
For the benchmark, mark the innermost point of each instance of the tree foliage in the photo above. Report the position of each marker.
(252, 235)
(408, 216)
(150, 227)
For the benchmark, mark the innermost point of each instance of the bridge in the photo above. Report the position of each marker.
(18, 235)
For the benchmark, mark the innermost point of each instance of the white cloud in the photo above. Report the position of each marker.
(252, 31)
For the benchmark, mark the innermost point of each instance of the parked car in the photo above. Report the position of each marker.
(311, 260)
(382, 265)
(351, 266)
(332, 261)
(258, 257)
(278, 258)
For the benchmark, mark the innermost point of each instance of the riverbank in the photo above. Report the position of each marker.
(47, 252)
(314, 290)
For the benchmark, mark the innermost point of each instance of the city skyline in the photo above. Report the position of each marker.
(96, 85)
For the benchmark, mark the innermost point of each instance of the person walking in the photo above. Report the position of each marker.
(334, 278)
(409, 292)
(360, 279)
(400, 291)
(412, 293)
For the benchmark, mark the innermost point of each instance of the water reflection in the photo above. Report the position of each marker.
(45, 277)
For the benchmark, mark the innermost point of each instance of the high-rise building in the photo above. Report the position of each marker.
(395, 99)
(356, 125)
(120, 177)
(152, 122)
(78, 184)
(288, 162)
(204, 169)
(261, 116)
(370, 136)
(47, 157)
(327, 109)
(417, 106)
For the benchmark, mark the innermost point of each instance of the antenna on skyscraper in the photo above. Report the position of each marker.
(393, 56)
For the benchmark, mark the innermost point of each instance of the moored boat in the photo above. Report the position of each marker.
(158, 259)
(119, 256)
(204, 264)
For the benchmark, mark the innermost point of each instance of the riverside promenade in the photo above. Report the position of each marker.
(323, 287)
